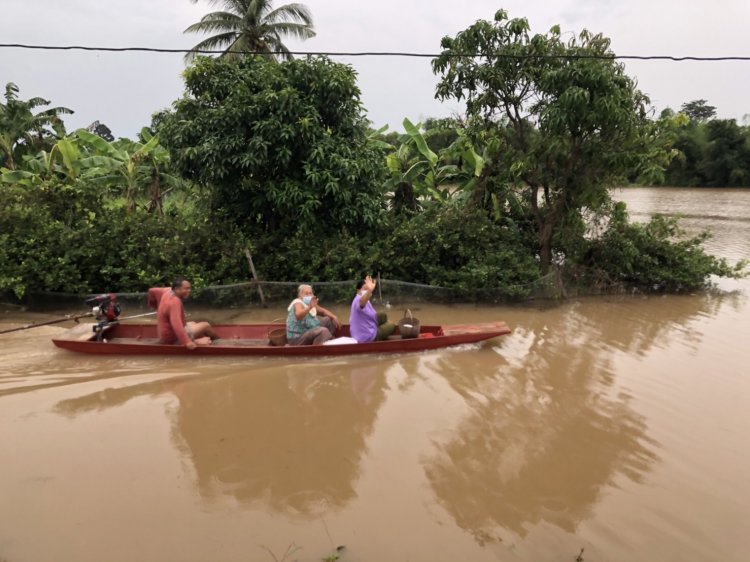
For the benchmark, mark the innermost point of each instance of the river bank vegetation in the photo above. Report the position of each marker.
(279, 157)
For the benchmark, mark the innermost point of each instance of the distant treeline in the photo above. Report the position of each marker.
(707, 152)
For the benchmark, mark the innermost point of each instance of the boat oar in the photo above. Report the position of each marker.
(70, 317)
(37, 324)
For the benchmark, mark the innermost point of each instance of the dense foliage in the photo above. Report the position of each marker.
(279, 158)
(71, 237)
(284, 147)
(707, 152)
(462, 248)
(572, 124)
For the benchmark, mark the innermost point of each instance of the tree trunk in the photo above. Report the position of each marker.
(156, 204)
(545, 247)
(9, 163)
(404, 199)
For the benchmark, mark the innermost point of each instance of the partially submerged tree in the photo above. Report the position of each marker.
(570, 122)
(252, 25)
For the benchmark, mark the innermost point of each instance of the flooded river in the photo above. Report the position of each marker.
(618, 425)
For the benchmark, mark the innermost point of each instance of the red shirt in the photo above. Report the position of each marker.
(170, 319)
(154, 296)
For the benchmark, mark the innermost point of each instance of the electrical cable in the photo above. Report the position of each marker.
(373, 53)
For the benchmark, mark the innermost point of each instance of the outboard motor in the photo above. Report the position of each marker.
(105, 307)
(106, 310)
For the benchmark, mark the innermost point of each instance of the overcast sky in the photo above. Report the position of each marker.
(124, 89)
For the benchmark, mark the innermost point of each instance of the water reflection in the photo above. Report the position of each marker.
(638, 325)
(548, 430)
(292, 440)
(290, 437)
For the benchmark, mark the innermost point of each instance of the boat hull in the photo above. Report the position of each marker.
(252, 339)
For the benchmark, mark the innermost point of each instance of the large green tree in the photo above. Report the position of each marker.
(25, 130)
(284, 147)
(571, 122)
(252, 25)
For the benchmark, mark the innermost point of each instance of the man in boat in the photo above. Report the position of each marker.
(170, 317)
(365, 324)
(308, 323)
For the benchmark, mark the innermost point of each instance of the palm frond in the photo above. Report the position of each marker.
(215, 43)
(257, 9)
(251, 26)
(298, 30)
(216, 21)
(290, 12)
(238, 5)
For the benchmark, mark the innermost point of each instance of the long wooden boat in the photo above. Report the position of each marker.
(253, 339)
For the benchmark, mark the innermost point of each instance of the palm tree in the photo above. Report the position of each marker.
(252, 25)
(23, 130)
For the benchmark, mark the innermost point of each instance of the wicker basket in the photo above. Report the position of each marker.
(409, 326)
(277, 337)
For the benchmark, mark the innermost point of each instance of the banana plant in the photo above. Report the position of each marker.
(63, 161)
(130, 163)
(22, 128)
(417, 173)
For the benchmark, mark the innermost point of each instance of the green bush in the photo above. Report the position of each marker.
(335, 256)
(458, 248)
(58, 237)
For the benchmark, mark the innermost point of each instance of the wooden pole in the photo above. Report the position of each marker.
(255, 277)
(29, 326)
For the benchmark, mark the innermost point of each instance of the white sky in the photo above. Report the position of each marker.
(124, 89)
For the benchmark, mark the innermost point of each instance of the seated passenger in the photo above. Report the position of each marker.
(365, 324)
(170, 317)
(308, 323)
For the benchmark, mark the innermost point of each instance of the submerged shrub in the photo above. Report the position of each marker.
(656, 256)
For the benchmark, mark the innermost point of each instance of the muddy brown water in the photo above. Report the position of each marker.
(615, 424)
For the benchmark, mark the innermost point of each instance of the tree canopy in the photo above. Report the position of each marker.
(571, 121)
(698, 110)
(284, 146)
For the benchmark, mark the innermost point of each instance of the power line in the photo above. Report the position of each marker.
(371, 53)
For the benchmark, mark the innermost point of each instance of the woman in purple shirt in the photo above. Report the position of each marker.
(366, 325)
